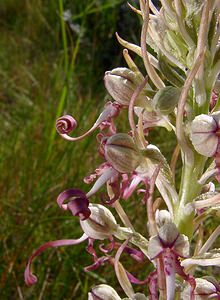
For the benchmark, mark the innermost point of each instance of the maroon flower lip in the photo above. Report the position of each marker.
(79, 206)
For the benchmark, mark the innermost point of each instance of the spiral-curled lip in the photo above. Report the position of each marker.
(65, 124)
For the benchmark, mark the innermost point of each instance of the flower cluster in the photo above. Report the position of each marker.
(180, 92)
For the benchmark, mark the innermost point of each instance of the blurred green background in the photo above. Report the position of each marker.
(53, 55)
(50, 67)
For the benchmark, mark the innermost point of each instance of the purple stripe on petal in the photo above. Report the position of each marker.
(30, 278)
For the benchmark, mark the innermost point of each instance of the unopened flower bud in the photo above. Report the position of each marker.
(103, 291)
(101, 224)
(121, 84)
(204, 134)
(121, 153)
(166, 99)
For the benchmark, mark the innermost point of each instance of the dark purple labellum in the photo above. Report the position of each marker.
(78, 206)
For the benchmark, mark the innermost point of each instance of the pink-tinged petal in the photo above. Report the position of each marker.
(106, 175)
(79, 206)
(30, 278)
(187, 277)
(213, 101)
(98, 172)
(91, 250)
(66, 124)
(130, 189)
(99, 262)
(169, 261)
(108, 248)
(153, 285)
(135, 280)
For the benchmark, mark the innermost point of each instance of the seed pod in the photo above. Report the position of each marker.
(101, 224)
(166, 99)
(121, 84)
(121, 153)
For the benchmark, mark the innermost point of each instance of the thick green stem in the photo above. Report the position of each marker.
(189, 190)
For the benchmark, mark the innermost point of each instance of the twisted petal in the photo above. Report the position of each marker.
(79, 206)
(66, 124)
(29, 277)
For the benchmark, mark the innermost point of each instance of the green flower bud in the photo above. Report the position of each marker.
(121, 84)
(121, 153)
(166, 99)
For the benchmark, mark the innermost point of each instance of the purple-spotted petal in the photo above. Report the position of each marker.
(29, 277)
(169, 261)
(78, 204)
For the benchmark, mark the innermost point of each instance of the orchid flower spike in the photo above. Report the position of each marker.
(170, 245)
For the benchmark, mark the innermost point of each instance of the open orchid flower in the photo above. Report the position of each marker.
(67, 124)
(170, 246)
